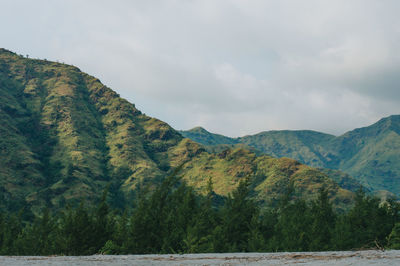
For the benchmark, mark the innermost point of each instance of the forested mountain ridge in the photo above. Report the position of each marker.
(65, 137)
(369, 154)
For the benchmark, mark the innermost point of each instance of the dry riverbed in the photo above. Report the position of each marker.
(366, 257)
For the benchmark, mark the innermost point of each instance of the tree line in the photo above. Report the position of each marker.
(174, 219)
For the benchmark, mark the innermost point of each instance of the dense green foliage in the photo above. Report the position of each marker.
(172, 219)
(65, 137)
(369, 154)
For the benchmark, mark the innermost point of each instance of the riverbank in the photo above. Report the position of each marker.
(366, 257)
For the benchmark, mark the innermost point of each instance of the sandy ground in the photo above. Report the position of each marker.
(370, 257)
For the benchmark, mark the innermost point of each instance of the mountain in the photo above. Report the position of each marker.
(369, 154)
(206, 138)
(65, 137)
(305, 145)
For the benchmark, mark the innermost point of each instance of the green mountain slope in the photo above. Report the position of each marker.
(370, 154)
(305, 146)
(70, 135)
(65, 137)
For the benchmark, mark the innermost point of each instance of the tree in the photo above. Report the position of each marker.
(323, 222)
(237, 216)
(394, 237)
(179, 212)
(198, 237)
(121, 232)
(151, 222)
(11, 228)
(37, 238)
(76, 232)
(366, 225)
(292, 230)
(103, 224)
(293, 227)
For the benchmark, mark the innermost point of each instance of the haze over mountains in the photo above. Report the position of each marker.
(65, 137)
(370, 154)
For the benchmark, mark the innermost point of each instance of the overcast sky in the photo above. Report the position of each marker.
(233, 67)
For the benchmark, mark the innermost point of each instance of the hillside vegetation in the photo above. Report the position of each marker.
(173, 219)
(65, 137)
(370, 154)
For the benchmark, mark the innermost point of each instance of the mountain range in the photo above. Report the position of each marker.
(370, 154)
(65, 138)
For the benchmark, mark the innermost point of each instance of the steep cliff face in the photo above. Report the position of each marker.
(65, 137)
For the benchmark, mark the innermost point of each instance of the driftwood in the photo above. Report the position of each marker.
(378, 245)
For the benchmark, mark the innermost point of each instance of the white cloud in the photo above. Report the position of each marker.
(234, 67)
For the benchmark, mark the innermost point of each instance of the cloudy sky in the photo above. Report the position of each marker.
(233, 67)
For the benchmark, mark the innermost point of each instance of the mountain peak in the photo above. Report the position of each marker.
(389, 119)
(198, 129)
(395, 123)
(2, 50)
(390, 123)
(5, 51)
(205, 137)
